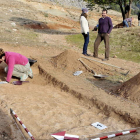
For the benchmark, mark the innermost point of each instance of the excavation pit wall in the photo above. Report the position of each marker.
(128, 111)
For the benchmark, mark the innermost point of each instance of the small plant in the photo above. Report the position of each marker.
(46, 14)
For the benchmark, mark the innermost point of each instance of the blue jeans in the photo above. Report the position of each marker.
(125, 23)
(86, 41)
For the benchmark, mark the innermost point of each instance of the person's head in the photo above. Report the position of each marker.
(84, 12)
(104, 12)
(2, 55)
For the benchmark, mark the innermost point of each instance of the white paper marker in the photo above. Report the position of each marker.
(99, 125)
(77, 73)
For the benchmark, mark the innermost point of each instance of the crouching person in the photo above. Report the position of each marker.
(18, 65)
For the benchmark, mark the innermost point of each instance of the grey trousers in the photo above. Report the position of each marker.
(19, 70)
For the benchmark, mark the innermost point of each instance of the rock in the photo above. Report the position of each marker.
(120, 81)
(13, 24)
(132, 34)
(15, 30)
(10, 10)
(115, 56)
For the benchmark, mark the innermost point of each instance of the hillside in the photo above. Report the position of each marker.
(55, 100)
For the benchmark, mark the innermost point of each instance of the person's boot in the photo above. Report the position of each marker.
(106, 59)
(86, 54)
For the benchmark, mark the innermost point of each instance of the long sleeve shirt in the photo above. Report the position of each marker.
(129, 20)
(105, 25)
(84, 25)
(11, 59)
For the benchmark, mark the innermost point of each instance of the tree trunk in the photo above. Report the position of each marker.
(129, 13)
(123, 13)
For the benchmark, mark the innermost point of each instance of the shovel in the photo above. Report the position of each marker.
(92, 71)
(19, 82)
(107, 64)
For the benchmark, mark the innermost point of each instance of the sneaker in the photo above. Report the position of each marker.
(86, 54)
(30, 73)
(24, 77)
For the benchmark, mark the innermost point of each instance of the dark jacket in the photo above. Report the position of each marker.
(139, 16)
(105, 25)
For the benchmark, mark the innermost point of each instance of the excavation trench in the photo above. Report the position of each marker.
(89, 101)
(106, 108)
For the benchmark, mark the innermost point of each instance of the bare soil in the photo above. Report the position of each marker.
(55, 100)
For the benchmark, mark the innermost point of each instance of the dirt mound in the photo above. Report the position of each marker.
(67, 60)
(131, 89)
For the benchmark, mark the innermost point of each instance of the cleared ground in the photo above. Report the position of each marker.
(55, 100)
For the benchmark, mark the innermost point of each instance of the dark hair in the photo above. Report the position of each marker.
(2, 53)
(104, 10)
(84, 14)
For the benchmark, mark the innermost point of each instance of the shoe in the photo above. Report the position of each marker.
(106, 59)
(86, 54)
(24, 77)
(30, 73)
(31, 61)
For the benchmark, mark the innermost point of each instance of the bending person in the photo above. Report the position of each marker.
(127, 21)
(85, 29)
(18, 65)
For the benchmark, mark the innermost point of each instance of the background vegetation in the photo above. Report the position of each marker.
(124, 43)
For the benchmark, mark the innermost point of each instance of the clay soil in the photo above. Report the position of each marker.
(55, 100)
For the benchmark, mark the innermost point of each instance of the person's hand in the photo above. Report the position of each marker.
(86, 35)
(3, 82)
(95, 28)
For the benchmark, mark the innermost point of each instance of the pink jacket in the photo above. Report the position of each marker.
(12, 59)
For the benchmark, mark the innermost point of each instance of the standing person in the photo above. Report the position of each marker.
(104, 29)
(139, 19)
(85, 29)
(127, 21)
(18, 65)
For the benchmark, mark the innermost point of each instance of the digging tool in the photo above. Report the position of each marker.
(19, 82)
(92, 71)
(103, 63)
(106, 64)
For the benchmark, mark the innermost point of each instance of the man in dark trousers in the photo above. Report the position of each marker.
(139, 19)
(104, 29)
